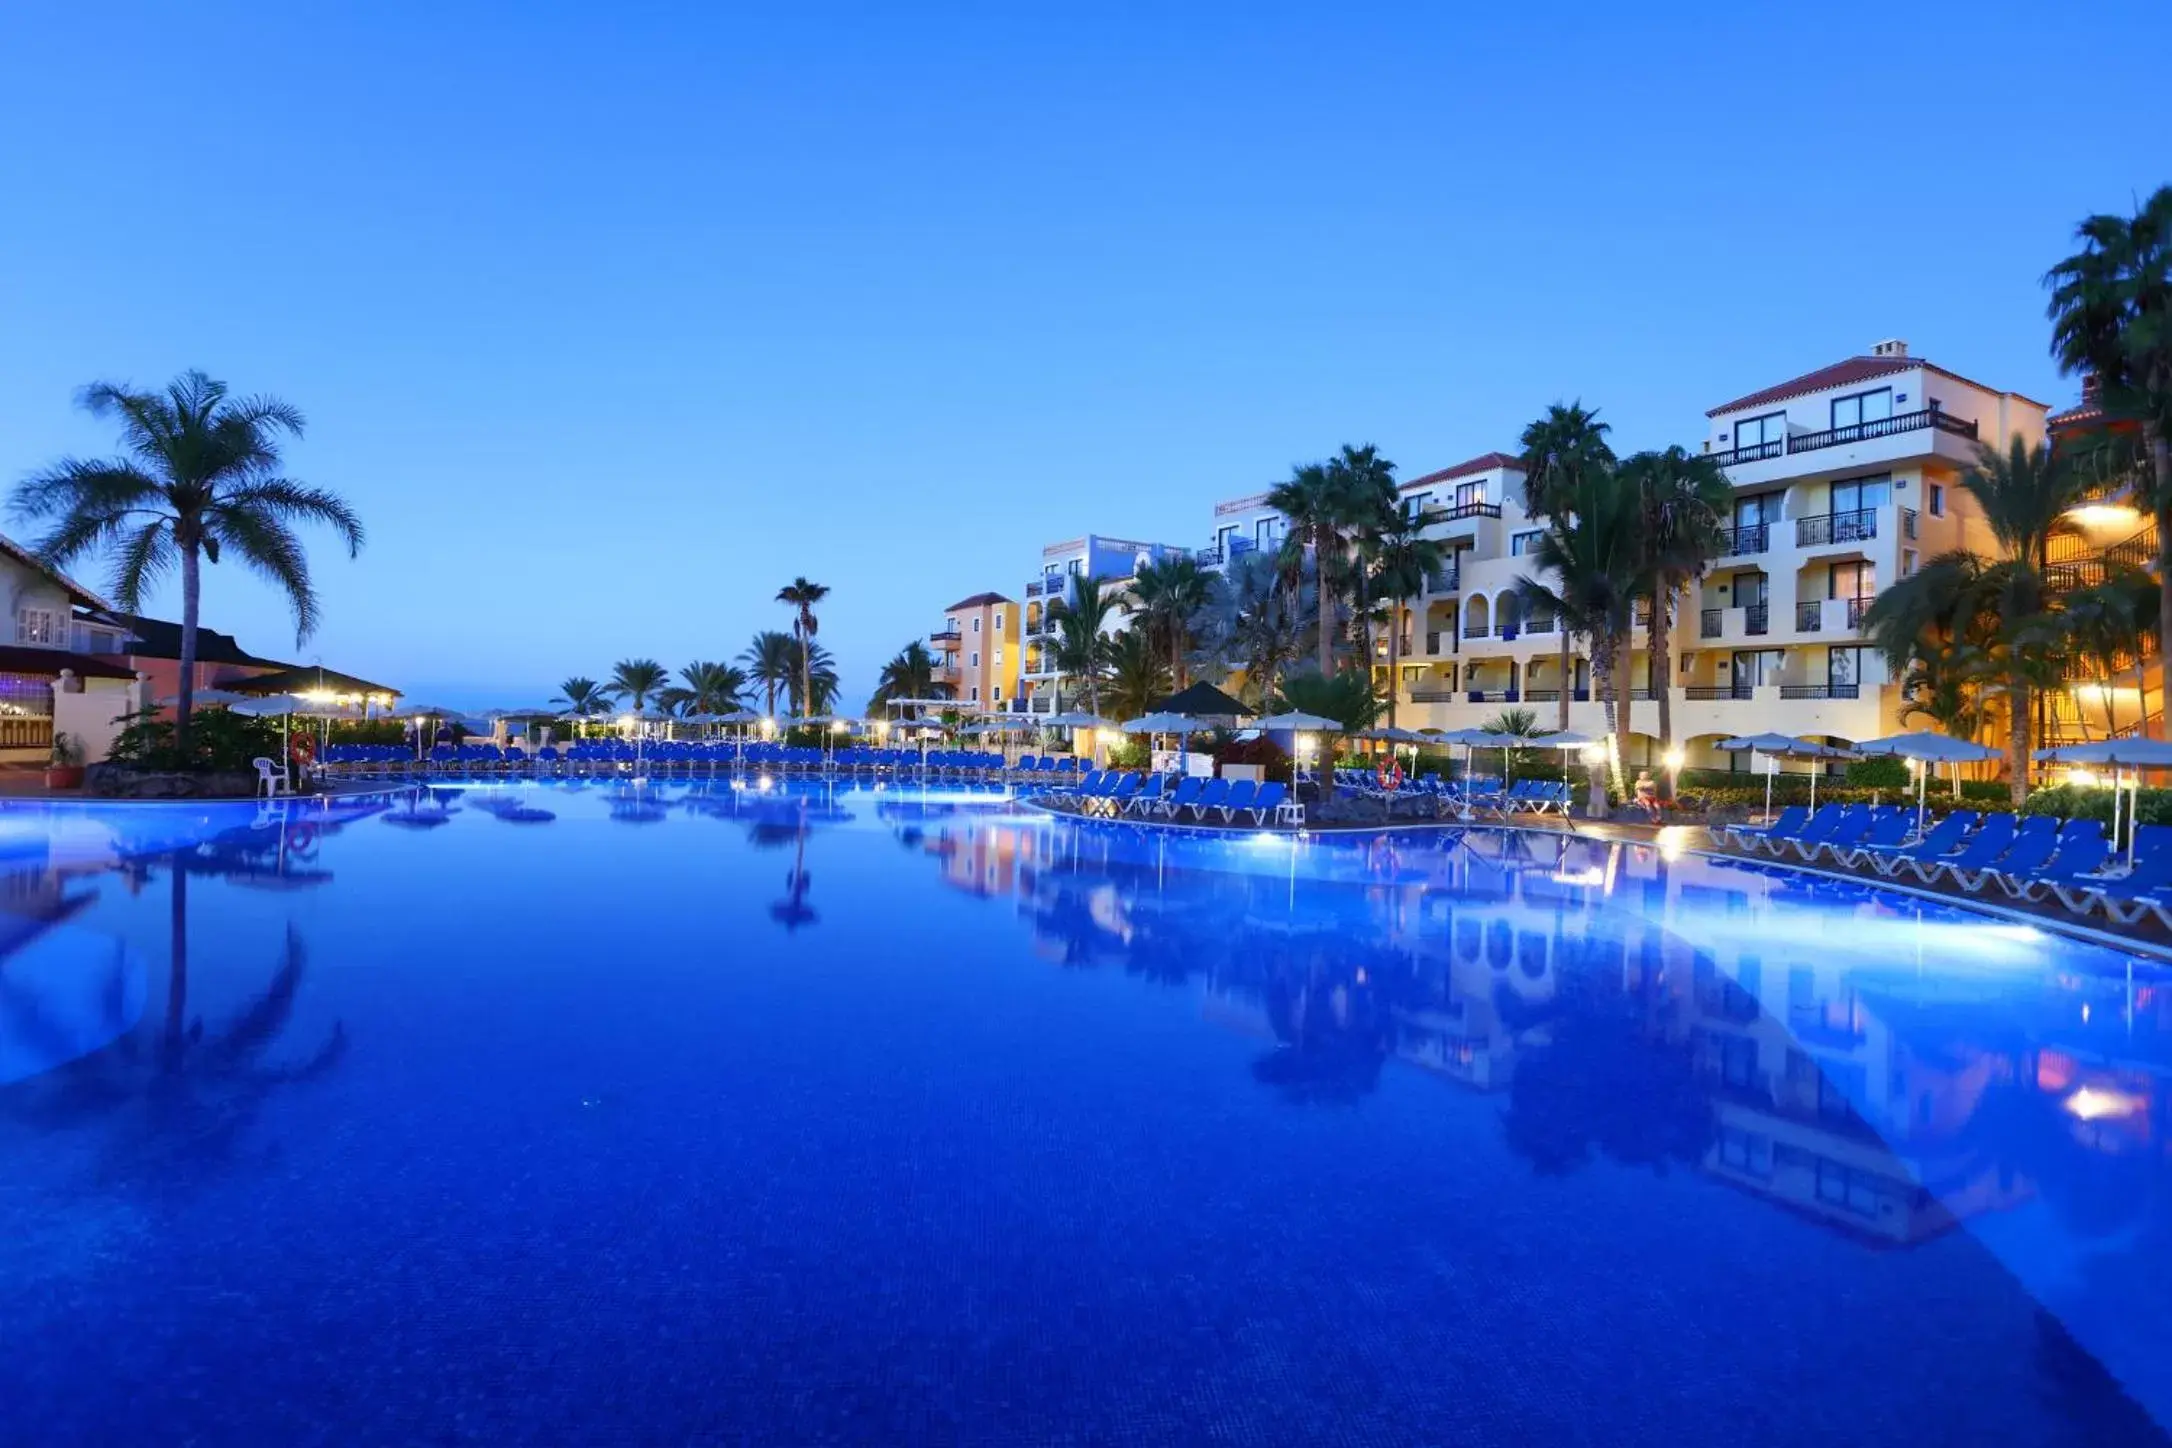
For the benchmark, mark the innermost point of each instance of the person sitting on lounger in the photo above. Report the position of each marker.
(1647, 795)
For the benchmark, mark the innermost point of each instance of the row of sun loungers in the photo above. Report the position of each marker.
(2036, 858)
(1120, 794)
(1523, 796)
(687, 758)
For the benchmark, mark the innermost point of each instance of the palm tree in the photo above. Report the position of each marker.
(771, 660)
(1314, 505)
(1683, 500)
(1366, 506)
(1082, 645)
(1592, 555)
(1138, 677)
(2108, 625)
(813, 680)
(909, 675)
(705, 688)
(1560, 451)
(1170, 595)
(1255, 622)
(801, 596)
(202, 477)
(2111, 316)
(1347, 698)
(583, 696)
(636, 680)
(1402, 557)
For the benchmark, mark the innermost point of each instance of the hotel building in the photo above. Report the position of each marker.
(1111, 562)
(979, 651)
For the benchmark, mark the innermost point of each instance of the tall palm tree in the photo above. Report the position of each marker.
(1138, 676)
(1594, 572)
(1312, 500)
(1366, 506)
(813, 679)
(583, 696)
(1683, 501)
(1082, 644)
(771, 661)
(637, 681)
(202, 476)
(2111, 316)
(1255, 622)
(1561, 450)
(1402, 558)
(801, 596)
(908, 675)
(1170, 595)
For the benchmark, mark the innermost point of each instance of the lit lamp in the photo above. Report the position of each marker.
(1594, 753)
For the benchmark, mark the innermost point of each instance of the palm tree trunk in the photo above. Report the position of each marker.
(1395, 654)
(1620, 687)
(806, 668)
(1327, 605)
(1566, 662)
(1662, 670)
(2017, 740)
(1176, 657)
(192, 592)
(2160, 456)
(1602, 669)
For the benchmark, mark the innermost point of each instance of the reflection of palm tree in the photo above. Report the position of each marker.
(793, 911)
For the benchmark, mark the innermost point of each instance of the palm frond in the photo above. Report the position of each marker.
(268, 547)
(294, 502)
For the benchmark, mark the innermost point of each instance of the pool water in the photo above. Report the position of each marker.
(692, 1115)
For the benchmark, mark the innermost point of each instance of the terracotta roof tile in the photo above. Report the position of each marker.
(1483, 463)
(1840, 374)
(978, 600)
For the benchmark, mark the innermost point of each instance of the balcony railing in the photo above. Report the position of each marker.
(1908, 523)
(1476, 630)
(1492, 696)
(1747, 538)
(1706, 693)
(1469, 510)
(1821, 691)
(1810, 615)
(1441, 580)
(1434, 696)
(1857, 607)
(1433, 639)
(1802, 442)
(1708, 623)
(1826, 528)
(1757, 618)
(943, 636)
(1542, 623)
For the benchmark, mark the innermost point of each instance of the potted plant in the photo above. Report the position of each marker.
(65, 771)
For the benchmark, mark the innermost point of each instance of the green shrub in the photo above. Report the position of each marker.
(373, 731)
(1126, 754)
(219, 741)
(2151, 806)
(1883, 771)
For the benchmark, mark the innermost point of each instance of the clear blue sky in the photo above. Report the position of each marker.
(611, 319)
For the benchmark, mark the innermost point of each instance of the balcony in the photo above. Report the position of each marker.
(1709, 693)
(1821, 691)
(1757, 618)
(1476, 631)
(944, 637)
(1434, 696)
(1441, 580)
(1434, 638)
(1544, 623)
(1461, 511)
(1857, 607)
(1709, 623)
(1746, 539)
(1640, 614)
(1826, 529)
(1803, 442)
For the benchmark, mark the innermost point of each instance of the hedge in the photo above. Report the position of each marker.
(2151, 806)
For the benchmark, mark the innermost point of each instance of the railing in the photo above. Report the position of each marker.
(1706, 693)
(1757, 618)
(1929, 417)
(1469, 510)
(1432, 640)
(1856, 527)
(1747, 538)
(1491, 696)
(1641, 696)
(1441, 580)
(1640, 615)
(18, 732)
(1821, 691)
(1434, 696)
(943, 636)
(1544, 623)
(1041, 586)
(1542, 696)
(1754, 453)
(1857, 607)
(1476, 631)
(1908, 523)
(1708, 623)
(1810, 615)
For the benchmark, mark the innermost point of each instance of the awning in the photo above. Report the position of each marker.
(1203, 701)
(311, 680)
(21, 659)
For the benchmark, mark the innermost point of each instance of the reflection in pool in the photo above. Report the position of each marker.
(471, 1114)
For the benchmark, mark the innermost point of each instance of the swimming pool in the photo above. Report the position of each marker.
(601, 1114)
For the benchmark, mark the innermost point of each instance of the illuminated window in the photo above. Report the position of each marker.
(35, 626)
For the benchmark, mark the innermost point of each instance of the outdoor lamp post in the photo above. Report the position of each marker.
(1672, 759)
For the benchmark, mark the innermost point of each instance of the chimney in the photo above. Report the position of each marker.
(1890, 347)
(2092, 390)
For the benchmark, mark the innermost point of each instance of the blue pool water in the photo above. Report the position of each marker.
(595, 1115)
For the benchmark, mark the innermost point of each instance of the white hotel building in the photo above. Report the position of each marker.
(1845, 479)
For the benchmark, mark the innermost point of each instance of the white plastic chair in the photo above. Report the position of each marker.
(270, 778)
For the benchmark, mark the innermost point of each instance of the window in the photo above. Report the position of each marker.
(1875, 406)
(1851, 580)
(1908, 562)
(1860, 495)
(999, 658)
(1225, 538)
(999, 623)
(1757, 508)
(1470, 495)
(1938, 500)
(976, 625)
(34, 626)
(1859, 1192)
(975, 695)
(1263, 532)
(1523, 543)
(1746, 1151)
(1758, 431)
(976, 658)
(995, 691)
(1843, 665)
(1075, 567)
(1415, 505)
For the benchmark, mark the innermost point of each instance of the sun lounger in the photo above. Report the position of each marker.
(1240, 797)
(1184, 796)
(1786, 826)
(1888, 832)
(2029, 852)
(1941, 839)
(2082, 853)
(1213, 796)
(1993, 839)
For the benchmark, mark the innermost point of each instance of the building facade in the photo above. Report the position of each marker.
(50, 680)
(979, 651)
(1109, 562)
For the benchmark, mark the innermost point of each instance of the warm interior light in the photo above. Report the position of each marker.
(2094, 1103)
(2104, 515)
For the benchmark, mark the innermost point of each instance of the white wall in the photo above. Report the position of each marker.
(89, 711)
